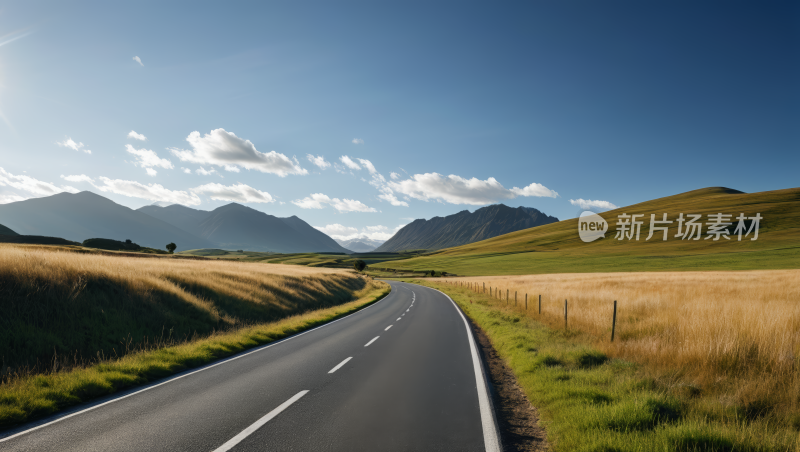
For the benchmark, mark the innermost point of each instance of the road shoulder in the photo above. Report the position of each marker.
(517, 419)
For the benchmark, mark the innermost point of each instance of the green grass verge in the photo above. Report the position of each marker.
(588, 402)
(528, 263)
(29, 398)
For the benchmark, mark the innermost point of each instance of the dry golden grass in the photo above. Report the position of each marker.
(58, 301)
(733, 335)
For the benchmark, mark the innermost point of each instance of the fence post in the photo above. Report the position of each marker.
(540, 304)
(515, 298)
(614, 321)
(484, 287)
(506, 296)
(526, 301)
(566, 325)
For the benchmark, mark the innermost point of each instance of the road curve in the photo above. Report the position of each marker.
(400, 375)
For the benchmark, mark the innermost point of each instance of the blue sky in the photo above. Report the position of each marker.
(537, 104)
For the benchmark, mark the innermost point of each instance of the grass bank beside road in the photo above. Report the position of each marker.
(27, 398)
(60, 307)
(592, 400)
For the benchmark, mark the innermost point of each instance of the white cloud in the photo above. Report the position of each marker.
(70, 143)
(136, 136)
(235, 193)
(340, 232)
(151, 192)
(388, 195)
(350, 205)
(535, 189)
(186, 170)
(319, 200)
(588, 204)
(368, 165)
(5, 199)
(31, 187)
(337, 230)
(348, 162)
(378, 181)
(357, 141)
(319, 161)
(394, 175)
(204, 172)
(315, 201)
(458, 190)
(148, 159)
(225, 149)
(138, 60)
(78, 178)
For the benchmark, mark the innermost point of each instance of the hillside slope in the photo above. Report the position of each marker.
(6, 231)
(179, 216)
(464, 227)
(236, 226)
(85, 215)
(557, 248)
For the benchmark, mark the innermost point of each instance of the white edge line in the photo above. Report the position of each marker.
(373, 340)
(491, 438)
(387, 328)
(178, 377)
(339, 366)
(259, 423)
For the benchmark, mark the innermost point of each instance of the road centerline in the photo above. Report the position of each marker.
(387, 328)
(259, 423)
(373, 340)
(338, 366)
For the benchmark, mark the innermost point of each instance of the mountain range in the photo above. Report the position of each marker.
(464, 227)
(234, 226)
(86, 215)
(361, 244)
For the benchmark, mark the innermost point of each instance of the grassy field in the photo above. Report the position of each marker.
(557, 248)
(324, 260)
(668, 391)
(62, 307)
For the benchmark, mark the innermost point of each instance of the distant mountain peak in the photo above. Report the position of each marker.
(464, 227)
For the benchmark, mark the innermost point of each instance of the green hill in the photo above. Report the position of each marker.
(557, 248)
(6, 231)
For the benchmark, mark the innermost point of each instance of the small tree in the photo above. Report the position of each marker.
(171, 248)
(360, 265)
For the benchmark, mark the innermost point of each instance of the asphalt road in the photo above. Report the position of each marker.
(400, 375)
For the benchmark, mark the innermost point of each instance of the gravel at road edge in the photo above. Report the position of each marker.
(517, 419)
